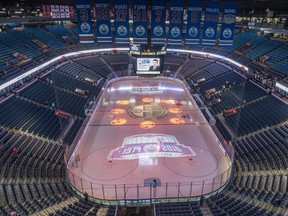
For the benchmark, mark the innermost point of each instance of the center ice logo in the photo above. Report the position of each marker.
(150, 145)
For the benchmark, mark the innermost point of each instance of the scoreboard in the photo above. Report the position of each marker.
(147, 59)
(147, 65)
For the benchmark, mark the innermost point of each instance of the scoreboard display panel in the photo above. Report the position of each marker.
(147, 58)
(148, 65)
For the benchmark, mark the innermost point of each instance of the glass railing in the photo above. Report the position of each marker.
(149, 193)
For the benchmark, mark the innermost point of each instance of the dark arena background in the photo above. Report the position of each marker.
(144, 107)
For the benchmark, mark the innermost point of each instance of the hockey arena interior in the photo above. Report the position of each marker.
(151, 107)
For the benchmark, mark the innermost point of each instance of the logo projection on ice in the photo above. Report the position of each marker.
(150, 145)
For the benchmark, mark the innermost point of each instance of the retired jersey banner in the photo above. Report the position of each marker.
(158, 18)
(103, 26)
(210, 24)
(140, 26)
(193, 30)
(83, 11)
(228, 24)
(121, 16)
(176, 21)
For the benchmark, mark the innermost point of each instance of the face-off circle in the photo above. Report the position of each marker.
(147, 100)
(177, 121)
(122, 102)
(117, 111)
(118, 121)
(175, 110)
(147, 124)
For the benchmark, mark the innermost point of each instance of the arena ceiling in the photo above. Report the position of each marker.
(244, 5)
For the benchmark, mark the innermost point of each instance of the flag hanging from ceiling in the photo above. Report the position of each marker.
(83, 11)
(210, 24)
(158, 18)
(121, 21)
(193, 29)
(103, 26)
(175, 22)
(140, 26)
(228, 24)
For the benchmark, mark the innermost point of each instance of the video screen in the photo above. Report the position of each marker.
(148, 65)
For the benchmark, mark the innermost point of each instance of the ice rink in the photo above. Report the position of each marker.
(147, 139)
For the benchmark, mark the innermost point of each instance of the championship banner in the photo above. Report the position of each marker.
(176, 21)
(83, 11)
(140, 26)
(103, 26)
(158, 18)
(121, 16)
(193, 30)
(210, 23)
(228, 24)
